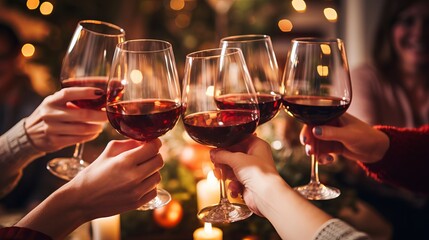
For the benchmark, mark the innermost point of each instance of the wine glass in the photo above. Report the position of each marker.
(317, 90)
(86, 64)
(212, 76)
(262, 64)
(143, 95)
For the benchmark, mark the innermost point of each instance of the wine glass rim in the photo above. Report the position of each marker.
(316, 40)
(121, 31)
(246, 38)
(213, 53)
(164, 47)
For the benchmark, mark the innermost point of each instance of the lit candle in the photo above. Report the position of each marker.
(208, 233)
(208, 192)
(107, 228)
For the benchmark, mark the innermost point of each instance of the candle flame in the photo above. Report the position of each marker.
(211, 177)
(208, 228)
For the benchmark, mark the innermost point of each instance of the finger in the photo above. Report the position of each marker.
(116, 147)
(75, 93)
(304, 135)
(75, 115)
(71, 129)
(150, 166)
(325, 159)
(144, 152)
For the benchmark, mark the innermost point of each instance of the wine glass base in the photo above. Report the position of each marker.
(224, 213)
(66, 168)
(318, 191)
(162, 198)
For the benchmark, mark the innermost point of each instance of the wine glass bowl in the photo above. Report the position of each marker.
(262, 64)
(143, 95)
(317, 90)
(86, 64)
(220, 109)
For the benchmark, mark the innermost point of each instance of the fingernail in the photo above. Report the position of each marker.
(99, 92)
(307, 150)
(318, 131)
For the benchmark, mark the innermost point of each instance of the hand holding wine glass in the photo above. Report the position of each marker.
(211, 77)
(262, 65)
(317, 91)
(86, 64)
(143, 95)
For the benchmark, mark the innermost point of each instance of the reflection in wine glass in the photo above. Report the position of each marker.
(262, 64)
(86, 64)
(211, 76)
(317, 91)
(143, 95)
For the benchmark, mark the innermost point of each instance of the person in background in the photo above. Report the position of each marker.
(394, 89)
(122, 178)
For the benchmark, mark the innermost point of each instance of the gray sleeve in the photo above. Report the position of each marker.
(337, 229)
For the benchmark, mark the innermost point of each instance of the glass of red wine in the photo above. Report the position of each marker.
(262, 65)
(86, 64)
(212, 76)
(143, 95)
(317, 90)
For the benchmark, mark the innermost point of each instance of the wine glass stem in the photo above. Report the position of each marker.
(78, 151)
(222, 184)
(315, 165)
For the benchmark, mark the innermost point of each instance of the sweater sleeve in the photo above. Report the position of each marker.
(19, 233)
(337, 229)
(406, 162)
(16, 152)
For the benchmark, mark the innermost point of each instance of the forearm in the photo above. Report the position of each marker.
(292, 216)
(16, 152)
(404, 164)
(57, 216)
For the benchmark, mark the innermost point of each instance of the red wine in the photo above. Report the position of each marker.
(268, 105)
(221, 128)
(144, 120)
(315, 110)
(98, 82)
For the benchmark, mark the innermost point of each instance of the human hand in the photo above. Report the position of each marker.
(57, 123)
(250, 166)
(122, 178)
(351, 138)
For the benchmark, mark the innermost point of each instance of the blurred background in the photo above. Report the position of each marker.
(45, 28)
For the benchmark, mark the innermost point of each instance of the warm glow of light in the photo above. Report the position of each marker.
(323, 71)
(46, 8)
(32, 4)
(210, 91)
(330, 14)
(136, 76)
(299, 5)
(211, 178)
(285, 25)
(208, 228)
(326, 49)
(28, 50)
(177, 4)
(182, 20)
